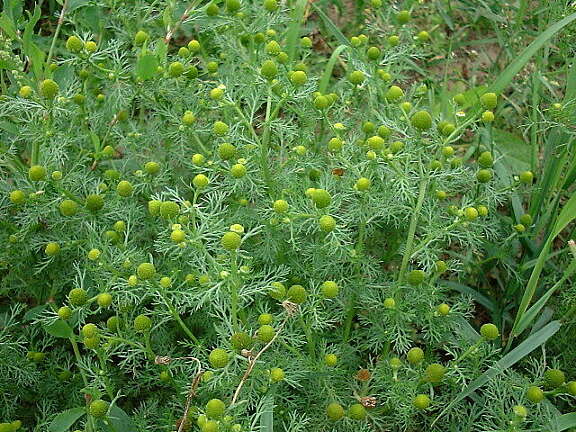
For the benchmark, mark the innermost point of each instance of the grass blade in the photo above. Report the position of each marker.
(476, 296)
(294, 29)
(563, 422)
(510, 359)
(571, 81)
(267, 417)
(330, 26)
(531, 313)
(516, 66)
(32, 50)
(323, 84)
(567, 215)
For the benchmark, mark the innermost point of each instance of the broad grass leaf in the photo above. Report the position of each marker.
(120, 420)
(147, 66)
(59, 329)
(267, 417)
(515, 150)
(35, 54)
(562, 422)
(63, 421)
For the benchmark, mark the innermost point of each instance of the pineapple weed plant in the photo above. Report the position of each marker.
(205, 228)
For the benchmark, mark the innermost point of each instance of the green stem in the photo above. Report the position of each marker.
(126, 341)
(109, 424)
(103, 69)
(470, 350)
(460, 128)
(412, 229)
(193, 216)
(534, 117)
(35, 155)
(357, 270)
(101, 143)
(567, 316)
(265, 140)
(90, 426)
(151, 354)
(234, 290)
(433, 236)
(199, 142)
(67, 193)
(247, 123)
(309, 338)
(563, 389)
(56, 33)
(107, 383)
(178, 319)
(3, 83)
(490, 138)
(291, 349)
(78, 359)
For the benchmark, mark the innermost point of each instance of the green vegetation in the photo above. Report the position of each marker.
(234, 216)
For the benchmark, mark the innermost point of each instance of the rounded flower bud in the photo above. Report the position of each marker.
(231, 241)
(489, 331)
(99, 408)
(142, 323)
(421, 120)
(334, 411)
(49, 88)
(218, 358)
(74, 44)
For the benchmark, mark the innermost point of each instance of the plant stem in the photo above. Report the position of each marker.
(56, 33)
(78, 359)
(247, 123)
(107, 383)
(126, 341)
(234, 290)
(470, 350)
(265, 140)
(199, 142)
(412, 229)
(568, 314)
(178, 319)
(309, 337)
(90, 426)
(490, 137)
(433, 236)
(174, 29)
(534, 117)
(151, 354)
(255, 359)
(35, 155)
(357, 270)
(193, 216)
(109, 424)
(471, 118)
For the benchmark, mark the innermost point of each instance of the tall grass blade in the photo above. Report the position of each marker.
(330, 26)
(531, 313)
(267, 417)
(516, 66)
(567, 215)
(530, 344)
(323, 85)
(294, 28)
